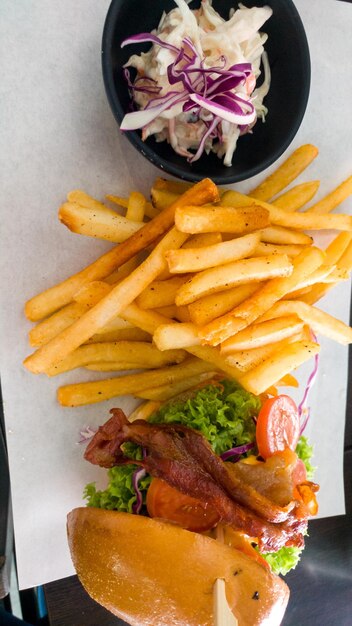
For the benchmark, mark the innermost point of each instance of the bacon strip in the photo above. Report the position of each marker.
(183, 458)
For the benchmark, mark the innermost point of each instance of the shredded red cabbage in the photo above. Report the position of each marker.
(203, 89)
(303, 409)
(236, 452)
(136, 477)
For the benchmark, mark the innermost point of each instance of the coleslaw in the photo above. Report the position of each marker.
(196, 87)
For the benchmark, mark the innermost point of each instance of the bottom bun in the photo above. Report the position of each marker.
(152, 573)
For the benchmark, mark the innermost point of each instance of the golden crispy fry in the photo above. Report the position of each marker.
(246, 360)
(280, 363)
(138, 354)
(85, 200)
(206, 309)
(201, 240)
(318, 320)
(146, 319)
(284, 236)
(179, 313)
(213, 357)
(239, 221)
(107, 224)
(285, 173)
(91, 293)
(122, 202)
(236, 273)
(175, 336)
(263, 299)
(197, 259)
(310, 221)
(263, 249)
(298, 196)
(125, 334)
(121, 272)
(53, 325)
(136, 207)
(345, 261)
(100, 390)
(162, 198)
(144, 411)
(263, 333)
(333, 199)
(174, 186)
(54, 298)
(166, 392)
(160, 293)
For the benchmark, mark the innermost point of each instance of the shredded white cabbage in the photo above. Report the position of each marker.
(238, 39)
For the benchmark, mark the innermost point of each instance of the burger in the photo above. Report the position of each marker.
(215, 486)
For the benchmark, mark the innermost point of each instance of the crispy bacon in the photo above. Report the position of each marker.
(182, 457)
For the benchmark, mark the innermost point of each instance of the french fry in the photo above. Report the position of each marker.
(139, 354)
(345, 261)
(333, 199)
(246, 360)
(263, 299)
(176, 335)
(162, 198)
(198, 259)
(91, 293)
(202, 240)
(310, 221)
(213, 357)
(122, 272)
(56, 297)
(100, 390)
(298, 196)
(136, 207)
(179, 313)
(125, 334)
(145, 319)
(85, 200)
(166, 392)
(285, 173)
(284, 236)
(174, 186)
(53, 325)
(318, 320)
(144, 411)
(236, 273)
(160, 293)
(280, 363)
(107, 224)
(263, 333)
(121, 202)
(206, 309)
(114, 366)
(263, 249)
(236, 220)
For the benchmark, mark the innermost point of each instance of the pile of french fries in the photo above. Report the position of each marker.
(202, 282)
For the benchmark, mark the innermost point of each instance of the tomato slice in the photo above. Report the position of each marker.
(277, 426)
(170, 504)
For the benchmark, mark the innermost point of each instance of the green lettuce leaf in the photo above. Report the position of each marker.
(119, 494)
(305, 452)
(285, 559)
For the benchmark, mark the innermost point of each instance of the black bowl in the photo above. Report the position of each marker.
(289, 60)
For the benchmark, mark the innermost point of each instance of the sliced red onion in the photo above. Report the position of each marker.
(237, 451)
(86, 434)
(303, 409)
(221, 111)
(148, 37)
(136, 477)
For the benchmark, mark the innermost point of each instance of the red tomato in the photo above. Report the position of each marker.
(277, 426)
(170, 504)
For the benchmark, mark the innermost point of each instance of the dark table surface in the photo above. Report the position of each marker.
(321, 586)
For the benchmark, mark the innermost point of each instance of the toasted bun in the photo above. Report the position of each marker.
(152, 573)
